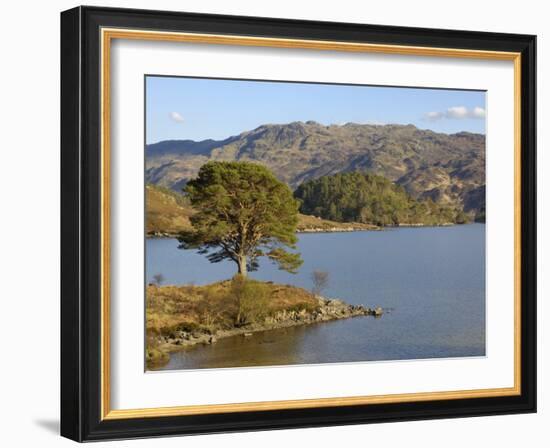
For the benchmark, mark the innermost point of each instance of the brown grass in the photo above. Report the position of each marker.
(222, 305)
(167, 211)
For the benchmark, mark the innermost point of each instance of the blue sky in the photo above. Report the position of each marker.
(199, 109)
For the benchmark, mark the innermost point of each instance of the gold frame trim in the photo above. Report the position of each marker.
(107, 35)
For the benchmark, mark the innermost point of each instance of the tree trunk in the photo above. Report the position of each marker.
(242, 265)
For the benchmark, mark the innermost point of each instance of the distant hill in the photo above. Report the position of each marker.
(371, 199)
(168, 214)
(449, 169)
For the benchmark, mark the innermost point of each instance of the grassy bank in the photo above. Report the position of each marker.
(194, 311)
(183, 316)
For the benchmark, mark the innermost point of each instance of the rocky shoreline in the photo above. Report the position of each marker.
(328, 310)
(154, 235)
(443, 224)
(328, 229)
(337, 229)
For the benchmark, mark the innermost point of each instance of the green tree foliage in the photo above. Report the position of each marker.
(242, 213)
(370, 199)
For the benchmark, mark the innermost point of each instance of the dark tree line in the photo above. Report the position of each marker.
(371, 199)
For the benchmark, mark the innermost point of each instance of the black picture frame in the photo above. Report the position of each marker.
(81, 224)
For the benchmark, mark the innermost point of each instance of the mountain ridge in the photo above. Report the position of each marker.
(447, 168)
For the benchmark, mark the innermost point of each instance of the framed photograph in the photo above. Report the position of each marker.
(273, 223)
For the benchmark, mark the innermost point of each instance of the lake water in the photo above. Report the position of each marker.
(432, 279)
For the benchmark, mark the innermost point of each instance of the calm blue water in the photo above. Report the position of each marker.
(432, 278)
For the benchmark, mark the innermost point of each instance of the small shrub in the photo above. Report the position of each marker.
(158, 279)
(250, 298)
(320, 281)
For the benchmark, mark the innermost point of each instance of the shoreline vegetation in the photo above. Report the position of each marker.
(169, 213)
(182, 317)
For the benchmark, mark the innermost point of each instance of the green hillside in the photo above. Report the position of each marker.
(371, 199)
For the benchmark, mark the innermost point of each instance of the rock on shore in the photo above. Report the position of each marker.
(328, 310)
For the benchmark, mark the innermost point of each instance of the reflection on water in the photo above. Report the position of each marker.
(274, 347)
(432, 278)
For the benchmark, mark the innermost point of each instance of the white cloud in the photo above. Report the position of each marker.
(432, 116)
(456, 113)
(478, 112)
(176, 116)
